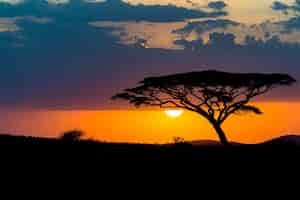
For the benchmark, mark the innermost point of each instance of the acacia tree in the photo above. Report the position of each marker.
(215, 95)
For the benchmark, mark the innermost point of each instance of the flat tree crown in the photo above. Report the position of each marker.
(219, 78)
(207, 86)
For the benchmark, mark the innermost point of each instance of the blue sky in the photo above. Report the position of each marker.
(61, 54)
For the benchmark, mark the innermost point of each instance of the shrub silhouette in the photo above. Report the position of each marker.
(215, 95)
(73, 135)
(178, 140)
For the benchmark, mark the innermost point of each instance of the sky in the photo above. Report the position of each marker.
(66, 56)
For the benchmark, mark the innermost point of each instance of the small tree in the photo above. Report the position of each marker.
(178, 140)
(213, 94)
(73, 135)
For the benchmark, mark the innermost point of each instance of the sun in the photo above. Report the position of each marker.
(173, 113)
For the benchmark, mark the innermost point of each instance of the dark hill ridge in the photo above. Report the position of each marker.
(285, 139)
(291, 140)
(208, 143)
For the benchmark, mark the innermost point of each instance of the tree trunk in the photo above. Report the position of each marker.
(221, 134)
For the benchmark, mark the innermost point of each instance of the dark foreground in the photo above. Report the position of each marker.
(52, 167)
(114, 164)
(55, 150)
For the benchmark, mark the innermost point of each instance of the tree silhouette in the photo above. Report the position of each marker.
(73, 135)
(215, 95)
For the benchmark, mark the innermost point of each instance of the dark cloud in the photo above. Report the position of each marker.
(216, 40)
(111, 10)
(218, 5)
(194, 45)
(277, 5)
(294, 22)
(291, 24)
(221, 41)
(287, 31)
(205, 26)
(280, 6)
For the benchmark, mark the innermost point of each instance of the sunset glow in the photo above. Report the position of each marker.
(173, 113)
(153, 126)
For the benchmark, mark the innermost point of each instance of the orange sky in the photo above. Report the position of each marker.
(154, 126)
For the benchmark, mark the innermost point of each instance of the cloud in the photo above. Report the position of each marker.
(161, 34)
(277, 5)
(57, 2)
(292, 24)
(143, 34)
(221, 41)
(110, 10)
(218, 5)
(190, 4)
(191, 45)
(10, 24)
(280, 6)
(95, 1)
(170, 35)
(158, 20)
(203, 26)
(11, 28)
(12, 2)
(287, 31)
(61, 2)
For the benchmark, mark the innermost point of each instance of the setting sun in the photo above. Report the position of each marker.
(173, 113)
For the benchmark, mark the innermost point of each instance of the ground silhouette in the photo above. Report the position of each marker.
(56, 166)
(280, 149)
